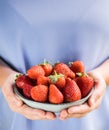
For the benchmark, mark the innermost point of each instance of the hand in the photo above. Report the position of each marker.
(93, 102)
(17, 105)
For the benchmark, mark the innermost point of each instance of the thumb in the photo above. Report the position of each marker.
(11, 97)
(97, 93)
(18, 101)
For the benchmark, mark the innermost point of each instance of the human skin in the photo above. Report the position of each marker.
(101, 79)
(6, 82)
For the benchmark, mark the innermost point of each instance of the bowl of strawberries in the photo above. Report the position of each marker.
(54, 87)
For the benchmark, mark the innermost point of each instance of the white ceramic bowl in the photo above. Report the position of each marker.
(48, 106)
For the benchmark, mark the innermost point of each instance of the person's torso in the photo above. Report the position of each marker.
(52, 30)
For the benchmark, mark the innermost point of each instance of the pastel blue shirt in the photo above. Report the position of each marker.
(56, 30)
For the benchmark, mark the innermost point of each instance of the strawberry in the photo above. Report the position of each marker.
(64, 69)
(77, 66)
(71, 91)
(43, 80)
(85, 83)
(26, 90)
(23, 80)
(55, 95)
(39, 93)
(47, 67)
(58, 80)
(35, 71)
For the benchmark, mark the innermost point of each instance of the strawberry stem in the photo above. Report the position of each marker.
(54, 78)
(17, 75)
(80, 74)
(57, 62)
(70, 63)
(45, 62)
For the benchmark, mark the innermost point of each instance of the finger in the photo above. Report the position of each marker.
(50, 116)
(76, 115)
(26, 110)
(99, 90)
(35, 114)
(31, 113)
(11, 98)
(63, 114)
(15, 101)
(96, 104)
(79, 115)
(85, 108)
(81, 109)
(17, 106)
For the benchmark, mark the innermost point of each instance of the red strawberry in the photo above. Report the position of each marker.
(71, 91)
(26, 90)
(62, 68)
(85, 83)
(58, 80)
(39, 93)
(77, 66)
(23, 80)
(47, 68)
(55, 95)
(43, 80)
(35, 71)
